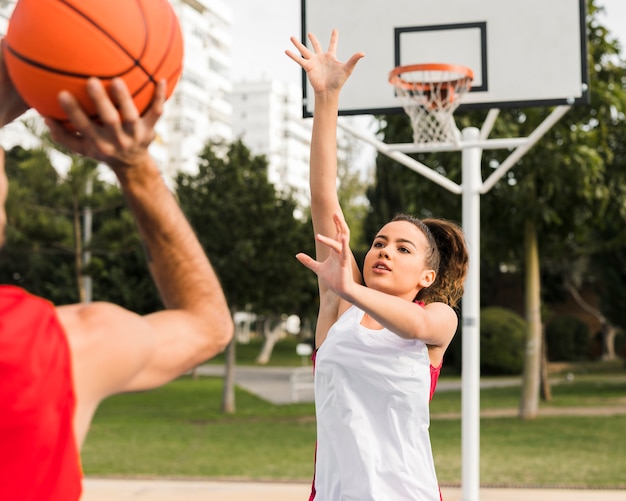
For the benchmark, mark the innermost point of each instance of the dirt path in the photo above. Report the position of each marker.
(619, 410)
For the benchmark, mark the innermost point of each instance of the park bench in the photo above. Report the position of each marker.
(301, 380)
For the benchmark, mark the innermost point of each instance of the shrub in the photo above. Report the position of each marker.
(568, 339)
(502, 334)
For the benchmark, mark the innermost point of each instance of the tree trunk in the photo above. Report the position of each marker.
(271, 337)
(529, 402)
(608, 341)
(607, 329)
(546, 390)
(228, 395)
(86, 281)
(78, 252)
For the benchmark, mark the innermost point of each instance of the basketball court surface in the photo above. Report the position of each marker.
(179, 490)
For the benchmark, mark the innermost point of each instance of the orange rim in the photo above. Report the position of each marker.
(466, 75)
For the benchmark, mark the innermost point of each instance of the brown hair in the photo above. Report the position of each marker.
(447, 255)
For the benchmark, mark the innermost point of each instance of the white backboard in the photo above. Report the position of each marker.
(522, 53)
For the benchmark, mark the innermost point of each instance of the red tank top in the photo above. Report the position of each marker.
(40, 459)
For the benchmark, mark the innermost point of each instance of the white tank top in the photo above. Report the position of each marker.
(372, 393)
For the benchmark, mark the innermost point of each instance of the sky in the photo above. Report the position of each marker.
(261, 35)
(615, 19)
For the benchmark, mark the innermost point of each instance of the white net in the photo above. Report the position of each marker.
(429, 95)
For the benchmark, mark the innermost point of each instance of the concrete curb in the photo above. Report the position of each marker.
(96, 489)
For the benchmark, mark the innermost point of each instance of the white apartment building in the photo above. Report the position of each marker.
(267, 116)
(199, 108)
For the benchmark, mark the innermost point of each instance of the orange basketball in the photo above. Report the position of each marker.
(54, 45)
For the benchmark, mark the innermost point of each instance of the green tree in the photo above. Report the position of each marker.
(559, 192)
(37, 235)
(45, 234)
(248, 230)
(250, 233)
(605, 251)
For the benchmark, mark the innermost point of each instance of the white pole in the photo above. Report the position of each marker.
(470, 386)
(403, 159)
(489, 122)
(87, 224)
(485, 144)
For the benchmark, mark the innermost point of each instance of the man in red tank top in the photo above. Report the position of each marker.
(57, 363)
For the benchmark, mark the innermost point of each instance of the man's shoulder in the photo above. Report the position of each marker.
(16, 298)
(14, 293)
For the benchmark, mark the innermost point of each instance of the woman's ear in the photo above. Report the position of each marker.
(428, 278)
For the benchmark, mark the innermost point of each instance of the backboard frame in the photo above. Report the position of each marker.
(559, 34)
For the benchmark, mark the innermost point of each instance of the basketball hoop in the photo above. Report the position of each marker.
(430, 93)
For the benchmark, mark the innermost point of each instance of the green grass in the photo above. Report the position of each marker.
(551, 451)
(179, 431)
(584, 391)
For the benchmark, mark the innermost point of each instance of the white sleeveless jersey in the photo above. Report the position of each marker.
(372, 393)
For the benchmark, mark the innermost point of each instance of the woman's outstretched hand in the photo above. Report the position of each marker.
(325, 72)
(336, 270)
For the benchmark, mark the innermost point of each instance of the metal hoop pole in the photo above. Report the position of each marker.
(470, 377)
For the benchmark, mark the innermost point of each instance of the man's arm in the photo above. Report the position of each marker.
(113, 349)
